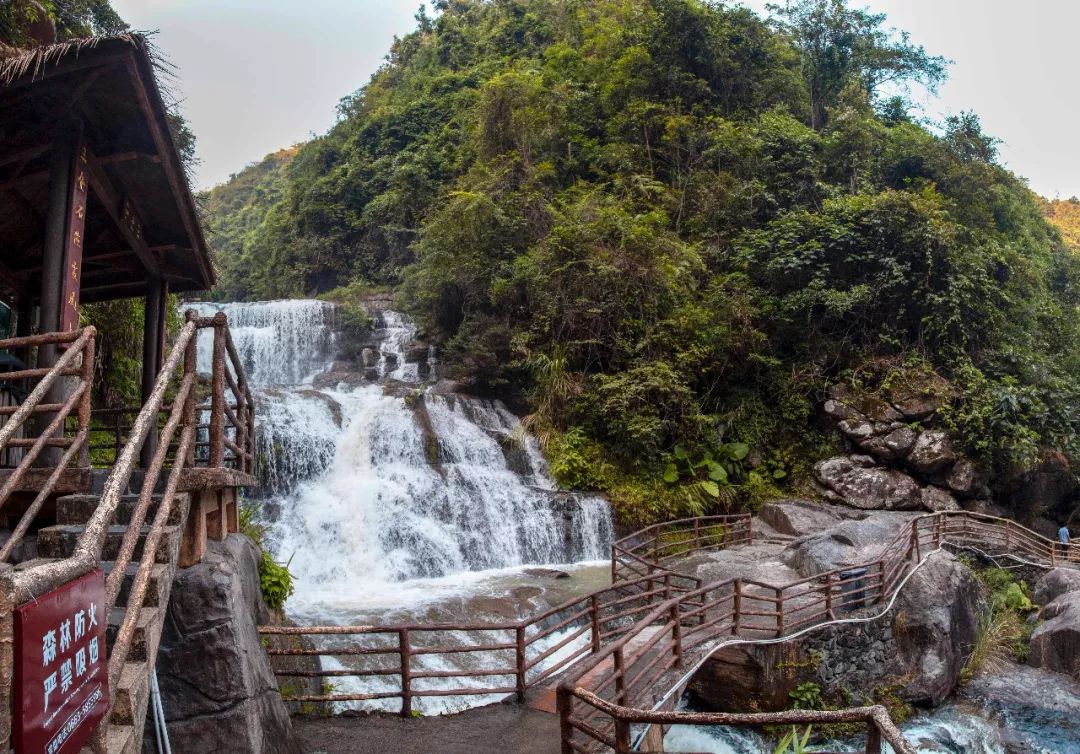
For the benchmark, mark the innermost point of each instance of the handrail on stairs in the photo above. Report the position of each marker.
(178, 372)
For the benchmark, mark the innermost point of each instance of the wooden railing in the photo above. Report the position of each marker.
(225, 431)
(610, 699)
(521, 654)
(17, 441)
(646, 551)
(631, 647)
(174, 451)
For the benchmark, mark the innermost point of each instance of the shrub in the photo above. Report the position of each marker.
(275, 581)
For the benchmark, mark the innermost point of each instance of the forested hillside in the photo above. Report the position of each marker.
(667, 226)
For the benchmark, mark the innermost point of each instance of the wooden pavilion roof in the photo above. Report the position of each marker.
(109, 84)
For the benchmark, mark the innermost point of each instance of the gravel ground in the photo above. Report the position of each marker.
(496, 729)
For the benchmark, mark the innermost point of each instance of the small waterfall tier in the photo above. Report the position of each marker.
(280, 342)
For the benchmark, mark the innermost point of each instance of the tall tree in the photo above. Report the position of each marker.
(841, 45)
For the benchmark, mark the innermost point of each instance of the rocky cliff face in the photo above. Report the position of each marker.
(218, 689)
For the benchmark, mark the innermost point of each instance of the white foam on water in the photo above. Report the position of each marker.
(382, 519)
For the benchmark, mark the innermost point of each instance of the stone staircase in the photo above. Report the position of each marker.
(132, 693)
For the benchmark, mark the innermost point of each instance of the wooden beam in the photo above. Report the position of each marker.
(174, 171)
(125, 217)
(40, 175)
(22, 155)
(112, 159)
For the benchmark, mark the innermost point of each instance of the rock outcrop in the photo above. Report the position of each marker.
(1055, 642)
(900, 462)
(918, 648)
(218, 690)
(851, 483)
(1055, 583)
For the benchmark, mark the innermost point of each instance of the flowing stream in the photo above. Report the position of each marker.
(395, 499)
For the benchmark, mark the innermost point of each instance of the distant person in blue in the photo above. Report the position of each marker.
(1063, 535)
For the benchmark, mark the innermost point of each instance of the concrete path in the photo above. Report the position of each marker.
(495, 729)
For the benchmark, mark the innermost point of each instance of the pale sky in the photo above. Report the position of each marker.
(258, 75)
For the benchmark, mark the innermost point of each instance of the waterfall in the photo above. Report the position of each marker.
(372, 484)
(279, 342)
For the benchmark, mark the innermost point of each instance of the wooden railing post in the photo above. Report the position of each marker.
(736, 608)
(828, 597)
(7, 654)
(217, 395)
(594, 610)
(405, 652)
(614, 569)
(564, 703)
(873, 739)
(676, 634)
(85, 402)
(519, 633)
(190, 367)
(779, 611)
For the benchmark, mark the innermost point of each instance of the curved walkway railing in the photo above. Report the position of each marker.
(612, 698)
(634, 645)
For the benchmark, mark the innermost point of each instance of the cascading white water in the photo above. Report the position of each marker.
(393, 501)
(280, 342)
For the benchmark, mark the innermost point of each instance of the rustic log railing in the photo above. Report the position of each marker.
(630, 648)
(225, 432)
(75, 363)
(174, 452)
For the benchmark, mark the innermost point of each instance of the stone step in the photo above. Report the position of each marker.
(131, 695)
(145, 627)
(156, 588)
(77, 509)
(60, 541)
(120, 740)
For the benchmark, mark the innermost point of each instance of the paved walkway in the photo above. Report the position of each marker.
(495, 729)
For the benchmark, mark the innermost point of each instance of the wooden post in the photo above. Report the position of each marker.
(190, 366)
(564, 702)
(84, 402)
(55, 244)
(828, 597)
(7, 653)
(736, 607)
(779, 611)
(614, 576)
(217, 395)
(873, 739)
(594, 609)
(153, 313)
(520, 657)
(620, 676)
(676, 634)
(406, 672)
(622, 737)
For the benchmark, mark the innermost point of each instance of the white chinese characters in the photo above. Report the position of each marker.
(63, 646)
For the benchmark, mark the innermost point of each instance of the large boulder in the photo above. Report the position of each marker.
(1049, 488)
(849, 483)
(1055, 642)
(938, 500)
(936, 618)
(1054, 583)
(919, 647)
(845, 544)
(218, 689)
(798, 517)
(933, 452)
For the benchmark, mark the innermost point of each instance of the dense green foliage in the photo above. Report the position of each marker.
(72, 19)
(669, 223)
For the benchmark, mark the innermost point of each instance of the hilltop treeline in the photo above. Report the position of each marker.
(667, 226)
